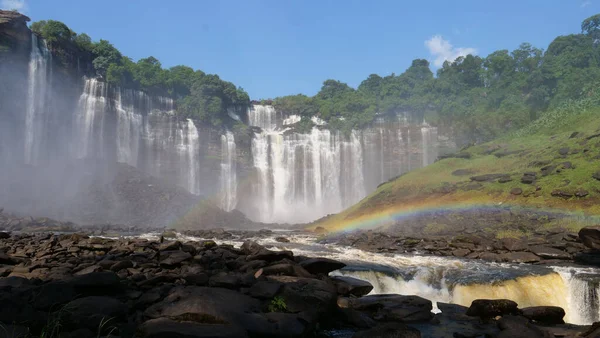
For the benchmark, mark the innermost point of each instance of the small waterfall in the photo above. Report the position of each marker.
(264, 117)
(89, 120)
(428, 144)
(188, 147)
(39, 76)
(228, 179)
(129, 130)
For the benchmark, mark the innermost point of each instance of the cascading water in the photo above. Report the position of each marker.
(188, 148)
(39, 72)
(228, 179)
(301, 177)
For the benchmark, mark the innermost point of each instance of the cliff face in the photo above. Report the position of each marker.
(52, 114)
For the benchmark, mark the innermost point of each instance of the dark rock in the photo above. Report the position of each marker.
(321, 265)
(264, 289)
(513, 244)
(389, 330)
(520, 257)
(581, 193)
(167, 328)
(519, 327)
(174, 258)
(286, 268)
(551, 253)
(504, 180)
(170, 246)
(547, 170)
(461, 252)
(487, 177)
(462, 172)
(90, 312)
(490, 256)
(574, 134)
(205, 305)
(306, 294)
(516, 191)
(527, 179)
(563, 151)
(489, 308)
(255, 251)
(352, 286)
(590, 237)
(225, 280)
(562, 193)
(544, 314)
(4, 235)
(200, 279)
(391, 307)
(596, 175)
(282, 239)
(126, 264)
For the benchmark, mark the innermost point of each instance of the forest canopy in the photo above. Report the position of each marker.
(479, 98)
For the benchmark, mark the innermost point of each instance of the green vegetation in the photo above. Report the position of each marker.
(204, 97)
(478, 98)
(277, 304)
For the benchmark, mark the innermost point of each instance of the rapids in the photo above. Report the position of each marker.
(452, 280)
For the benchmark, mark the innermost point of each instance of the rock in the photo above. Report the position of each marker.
(321, 265)
(265, 289)
(306, 294)
(391, 307)
(225, 280)
(519, 327)
(205, 305)
(513, 244)
(504, 180)
(255, 251)
(169, 246)
(581, 193)
(490, 256)
(489, 308)
(547, 170)
(462, 172)
(516, 191)
(200, 279)
(590, 237)
(520, 257)
(91, 311)
(126, 264)
(528, 179)
(544, 314)
(320, 230)
(596, 175)
(4, 235)
(562, 193)
(461, 252)
(550, 253)
(175, 258)
(574, 134)
(352, 286)
(563, 151)
(286, 268)
(389, 330)
(165, 328)
(488, 177)
(282, 239)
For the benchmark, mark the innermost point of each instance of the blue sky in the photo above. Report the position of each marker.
(273, 47)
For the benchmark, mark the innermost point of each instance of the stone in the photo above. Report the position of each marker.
(169, 246)
(504, 180)
(581, 193)
(200, 279)
(590, 237)
(206, 305)
(516, 191)
(352, 286)
(165, 328)
(513, 244)
(391, 307)
(91, 311)
(225, 280)
(255, 251)
(462, 172)
(265, 289)
(520, 257)
(282, 239)
(286, 268)
(126, 264)
(549, 253)
(488, 177)
(563, 151)
(306, 294)
(4, 235)
(489, 308)
(519, 327)
(321, 265)
(461, 252)
(175, 258)
(527, 179)
(389, 330)
(544, 314)
(596, 175)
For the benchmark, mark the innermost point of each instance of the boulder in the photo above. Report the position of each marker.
(519, 327)
(520, 257)
(513, 244)
(516, 191)
(391, 307)
(489, 308)
(352, 286)
(287, 269)
(91, 312)
(255, 251)
(282, 239)
(596, 175)
(549, 253)
(321, 265)
(544, 314)
(488, 177)
(389, 330)
(205, 305)
(265, 289)
(306, 294)
(164, 328)
(563, 151)
(174, 258)
(590, 237)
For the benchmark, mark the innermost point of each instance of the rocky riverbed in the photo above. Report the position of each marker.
(72, 285)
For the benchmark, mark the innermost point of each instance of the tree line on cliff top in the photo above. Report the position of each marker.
(478, 97)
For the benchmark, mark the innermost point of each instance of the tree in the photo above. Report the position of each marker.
(54, 32)
(106, 54)
(84, 42)
(591, 27)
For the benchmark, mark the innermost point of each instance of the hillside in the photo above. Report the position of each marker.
(545, 175)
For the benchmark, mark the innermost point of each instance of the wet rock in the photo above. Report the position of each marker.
(174, 258)
(126, 264)
(389, 330)
(352, 286)
(164, 327)
(519, 327)
(590, 237)
(321, 265)
(265, 289)
(200, 279)
(282, 239)
(287, 269)
(516, 191)
(306, 294)
(544, 314)
(170, 246)
(490, 256)
(4, 235)
(549, 253)
(520, 257)
(225, 280)
(489, 308)
(255, 251)
(391, 307)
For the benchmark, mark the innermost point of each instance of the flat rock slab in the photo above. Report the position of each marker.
(551, 253)
(489, 308)
(590, 236)
(321, 265)
(352, 286)
(166, 328)
(391, 307)
(544, 314)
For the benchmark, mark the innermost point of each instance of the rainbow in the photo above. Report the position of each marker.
(403, 212)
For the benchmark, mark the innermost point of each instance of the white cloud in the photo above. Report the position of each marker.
(19, 5)
(442, 50)
(586, 3)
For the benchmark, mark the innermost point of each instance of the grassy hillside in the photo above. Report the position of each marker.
(562, 149)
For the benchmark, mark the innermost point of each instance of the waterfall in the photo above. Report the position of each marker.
(428, 144)
(38, 80)
(89, 120)
(264, 117)
(188, 147)
(228, 179)
(129, 130)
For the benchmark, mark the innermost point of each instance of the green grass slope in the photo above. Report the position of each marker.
(562, 148)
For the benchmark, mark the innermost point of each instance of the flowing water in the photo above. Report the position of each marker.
(228, 179)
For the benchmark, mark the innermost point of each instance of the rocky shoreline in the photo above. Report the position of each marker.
(553, 246)
(72, 285)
